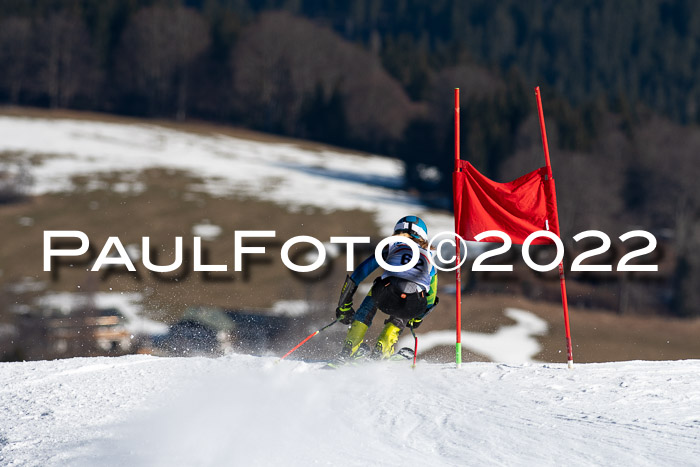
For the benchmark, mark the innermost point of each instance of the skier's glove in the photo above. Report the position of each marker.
(414, 323)
(345, 313)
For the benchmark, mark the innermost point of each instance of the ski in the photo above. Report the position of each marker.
(405, 353)
(363, 355)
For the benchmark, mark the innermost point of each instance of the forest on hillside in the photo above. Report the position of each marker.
(617, 77)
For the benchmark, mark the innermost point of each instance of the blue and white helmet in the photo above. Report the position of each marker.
(412, 225)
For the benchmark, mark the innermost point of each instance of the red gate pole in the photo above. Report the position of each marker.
(458, 273)
(562, 280)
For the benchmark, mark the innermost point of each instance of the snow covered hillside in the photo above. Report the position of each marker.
(284, 173)
(244, 410)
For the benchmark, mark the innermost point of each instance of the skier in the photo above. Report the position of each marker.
(407, 297)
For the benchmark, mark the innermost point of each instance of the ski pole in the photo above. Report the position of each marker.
(305, 340)
(415, 349)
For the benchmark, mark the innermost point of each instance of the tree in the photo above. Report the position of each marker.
(323, 119)
(407, 60)
(15, 48)
(156, 54)
(492, 111)
(280, 62)
(65, 59)
(672, 201)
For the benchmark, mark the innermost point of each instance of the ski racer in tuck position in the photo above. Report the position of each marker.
(407, 296)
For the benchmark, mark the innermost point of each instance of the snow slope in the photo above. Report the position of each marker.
(247, 411)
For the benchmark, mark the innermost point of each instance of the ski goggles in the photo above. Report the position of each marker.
(412, 229)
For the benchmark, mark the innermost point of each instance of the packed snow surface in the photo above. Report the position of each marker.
(245, 410)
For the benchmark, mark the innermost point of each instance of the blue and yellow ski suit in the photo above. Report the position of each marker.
(404, 296)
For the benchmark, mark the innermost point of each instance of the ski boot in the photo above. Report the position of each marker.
(386, 341)
(351, 346)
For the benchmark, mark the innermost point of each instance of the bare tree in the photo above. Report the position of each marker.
(669, 155)
(594, 191)
(15, 48)
(158, 48)
(66, 59)
(282, 60)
